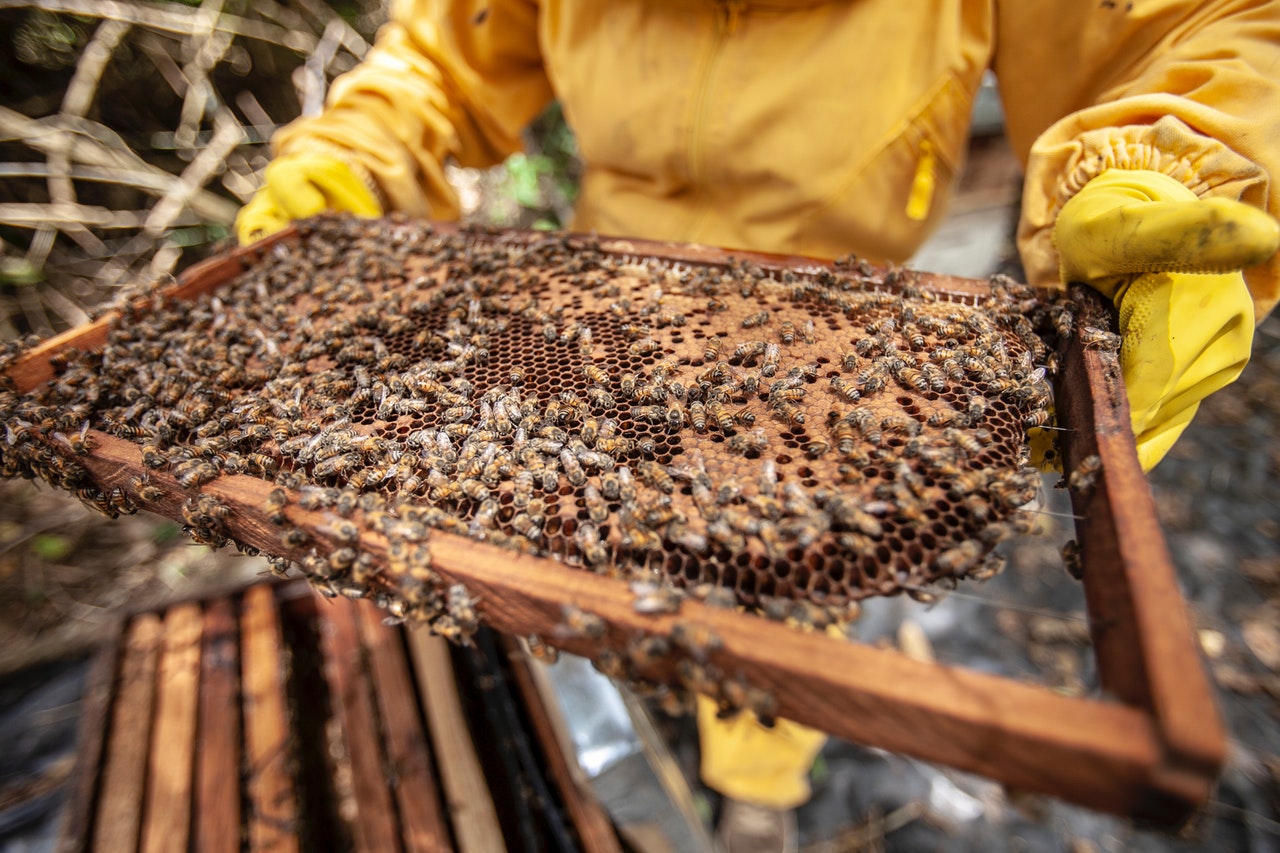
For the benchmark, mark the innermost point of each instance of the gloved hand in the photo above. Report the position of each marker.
(1171, 263)
(296, 186)
(745, 761)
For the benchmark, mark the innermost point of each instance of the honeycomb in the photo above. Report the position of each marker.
(787, 434)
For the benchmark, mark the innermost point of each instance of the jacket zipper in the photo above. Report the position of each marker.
(727, 13)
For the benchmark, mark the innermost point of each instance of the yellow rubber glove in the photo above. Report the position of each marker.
(296, 186)
(745, 761)
(1171, 263)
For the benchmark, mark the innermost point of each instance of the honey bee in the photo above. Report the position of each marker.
(755, 440)
(655, 599)
(153, 457)
(525, 526)
(1037, 418)
(648, 651)
(573, 470)
(579, 623)
(644, 346)
(1085, 476)
(757, 319)
(961, 558)
(1071, 559)
(539, 649)
(595, 374)
(597, 509)
(968, 442)
(722, 416)
(1094, 338)
(748, 351)
(697, 639)
(516, 376)
(655, 475)
(912, 378)
(344, 531)
(194, 472)
(146, 490)
(845, 388)
(786, 394)
(787, 332)
(649, 414)
(713, 348)
(772, 355)
(698, 416)
(789, 412)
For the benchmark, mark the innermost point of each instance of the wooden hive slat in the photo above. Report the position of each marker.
(216, 814)
(375, 820)
(169, 775)
(119, 816)
(272, 803)
(467, 797)
(408, 753)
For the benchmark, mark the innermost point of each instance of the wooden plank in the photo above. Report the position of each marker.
(594, 827)
(216, 828)
(77, 821)
(409, 760)
(475, 820)
(167, 821)
(124, 778)
(375, 823)
(1144, 640)
(273, 812)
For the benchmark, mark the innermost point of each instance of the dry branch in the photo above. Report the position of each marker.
(170, 18)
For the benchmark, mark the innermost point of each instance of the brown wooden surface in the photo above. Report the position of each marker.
(1143, 637)
(595, 829)
(471, 809)
(375, 821)
(124, 778)
(169, 776)
(409, 758)
(77, 821)
(216, 818)
(272, 818)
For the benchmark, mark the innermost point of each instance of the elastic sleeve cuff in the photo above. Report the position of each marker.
(1061, 163)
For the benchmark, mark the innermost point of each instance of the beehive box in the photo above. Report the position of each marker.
(262, 720)
(611, 447)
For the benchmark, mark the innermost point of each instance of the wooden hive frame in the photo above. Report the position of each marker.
(1151, 749)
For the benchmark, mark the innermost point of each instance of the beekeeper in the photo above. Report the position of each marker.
(1150, 132)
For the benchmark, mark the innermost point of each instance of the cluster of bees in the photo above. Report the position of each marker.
(802, 437)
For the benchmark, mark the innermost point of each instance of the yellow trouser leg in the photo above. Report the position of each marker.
(745, 761)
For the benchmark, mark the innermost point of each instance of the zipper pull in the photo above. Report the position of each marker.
(920, 198)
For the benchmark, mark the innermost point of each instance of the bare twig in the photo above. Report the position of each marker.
(210, 46)
(170, 18)
(30, 215)
(314, 76)
(171, 205)
(98, 146)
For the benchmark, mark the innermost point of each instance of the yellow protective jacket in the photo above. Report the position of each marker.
(813, 127)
